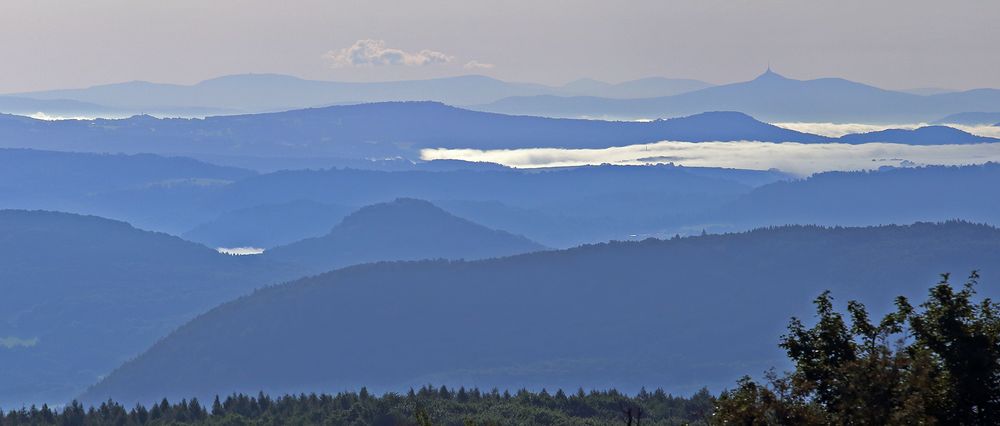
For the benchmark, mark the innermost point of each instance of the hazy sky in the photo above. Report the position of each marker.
(890, 43)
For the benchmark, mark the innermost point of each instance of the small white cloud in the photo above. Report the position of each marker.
(374, 53)
(476, 65)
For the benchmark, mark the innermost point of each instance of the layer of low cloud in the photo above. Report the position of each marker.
(797, 158)
(841, 129)
(368, 52)
(476, 65)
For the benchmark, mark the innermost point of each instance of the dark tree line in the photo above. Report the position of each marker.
(426, 406)
(938, 363)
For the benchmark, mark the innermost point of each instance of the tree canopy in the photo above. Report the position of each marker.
(938, 363)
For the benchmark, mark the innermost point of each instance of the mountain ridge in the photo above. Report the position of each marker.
(529, 320)
(256, 92)
(403, 229)
(770, 97)
(374, 130)
(70, 280)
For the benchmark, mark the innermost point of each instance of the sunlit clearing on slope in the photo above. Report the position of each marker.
(797, 158)
(837, 130)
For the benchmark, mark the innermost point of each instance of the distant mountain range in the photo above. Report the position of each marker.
(870, 198)
(226, 207)
(404, 229)
(274, 92)
(82, 294)
(770, 97)
(384, 130)
(972, 119)
(72, 279)
(356, 135)
(111, 185)
(569, 206)
(681, 314)
(56, 108)
(222, 206)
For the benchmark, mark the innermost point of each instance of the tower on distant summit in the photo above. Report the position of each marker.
(769, 73)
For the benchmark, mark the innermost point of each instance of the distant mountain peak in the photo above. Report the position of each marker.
(770, 75)
(403, 229)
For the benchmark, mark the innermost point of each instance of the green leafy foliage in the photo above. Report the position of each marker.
(939, 364)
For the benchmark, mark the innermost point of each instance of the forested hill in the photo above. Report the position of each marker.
(81, 294)
(679, 313)
(404, 229)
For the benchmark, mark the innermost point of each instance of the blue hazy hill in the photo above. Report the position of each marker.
(273, 92)
(588, 203)
(55, 107)
(138, 188)
(231, 206)
(971, 118)
(381, 130)
(770, 97)
(878, 197)
(29, 178)
(269, 225)
(404, 229)
(927, 135)
(71, 281)
(681, 314)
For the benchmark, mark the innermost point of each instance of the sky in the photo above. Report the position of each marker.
(898, 44)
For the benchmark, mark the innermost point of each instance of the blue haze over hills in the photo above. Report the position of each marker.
(108, 282)
(769, 97)
(390, 136)
(629, 314)
(383, 130)
(275, 92)
(108, 230)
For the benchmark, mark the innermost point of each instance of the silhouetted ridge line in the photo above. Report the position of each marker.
(529, 320)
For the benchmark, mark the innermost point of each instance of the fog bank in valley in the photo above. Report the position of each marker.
(797, 158)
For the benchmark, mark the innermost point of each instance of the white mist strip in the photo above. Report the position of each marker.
(797, 158)
(240, 251)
